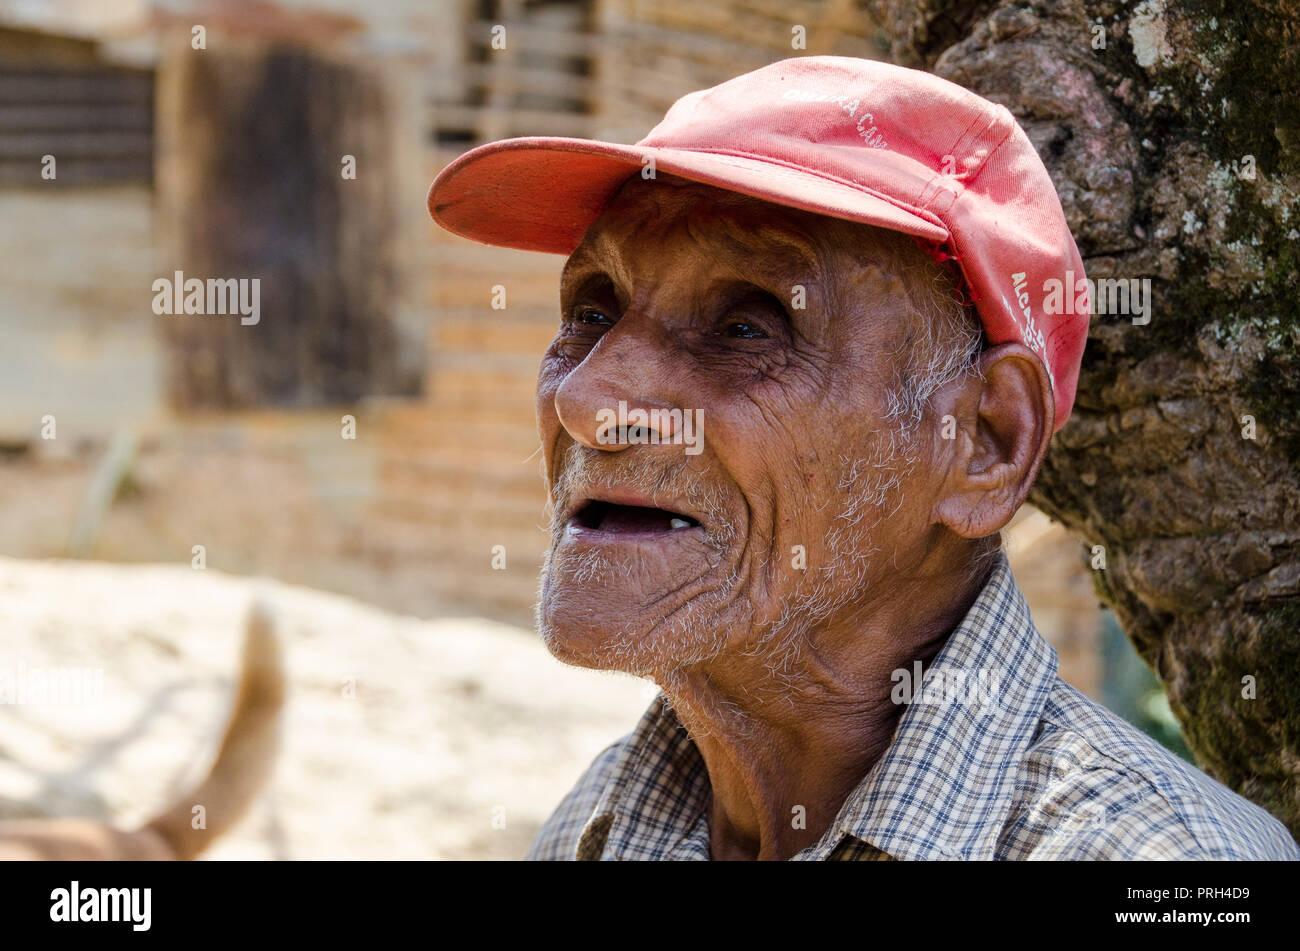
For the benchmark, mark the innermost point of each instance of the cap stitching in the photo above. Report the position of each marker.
(1011, 128)
(925, 202)
(781, 163)
(960, 185)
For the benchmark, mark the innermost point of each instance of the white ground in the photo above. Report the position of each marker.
(455, 721)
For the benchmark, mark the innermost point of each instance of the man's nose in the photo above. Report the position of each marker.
(616, 391)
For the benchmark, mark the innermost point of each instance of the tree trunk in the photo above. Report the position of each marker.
(1152, 142)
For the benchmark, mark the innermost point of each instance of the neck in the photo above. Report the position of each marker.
(788, 732)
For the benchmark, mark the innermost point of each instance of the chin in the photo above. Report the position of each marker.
(587, 621)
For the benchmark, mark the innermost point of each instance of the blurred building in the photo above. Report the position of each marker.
(225, 161)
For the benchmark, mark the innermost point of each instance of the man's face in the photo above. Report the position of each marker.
(801, 493)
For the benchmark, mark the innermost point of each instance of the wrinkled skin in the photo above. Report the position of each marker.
(680, 295)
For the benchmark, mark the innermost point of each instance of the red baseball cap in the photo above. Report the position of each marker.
(848, 138)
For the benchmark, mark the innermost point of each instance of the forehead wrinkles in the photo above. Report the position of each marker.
(759, 241)
(630, 214)
(754, 237)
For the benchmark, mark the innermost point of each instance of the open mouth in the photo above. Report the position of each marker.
(597, 516)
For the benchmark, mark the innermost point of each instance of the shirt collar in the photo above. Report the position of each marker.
(946, 782)
(653, 806)
(942, 789)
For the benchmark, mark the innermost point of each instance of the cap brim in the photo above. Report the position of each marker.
(541, 193)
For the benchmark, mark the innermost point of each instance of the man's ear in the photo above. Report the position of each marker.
(1003, 424)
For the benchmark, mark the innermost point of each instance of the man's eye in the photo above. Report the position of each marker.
(739, 328)
(589, 315)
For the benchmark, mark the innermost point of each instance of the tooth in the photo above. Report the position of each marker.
(678, 523)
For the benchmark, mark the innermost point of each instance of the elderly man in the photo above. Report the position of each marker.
(852, 285)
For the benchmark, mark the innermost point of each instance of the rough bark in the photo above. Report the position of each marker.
(1147, 141)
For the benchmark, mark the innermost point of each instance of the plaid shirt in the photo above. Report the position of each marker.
(1040, 772)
